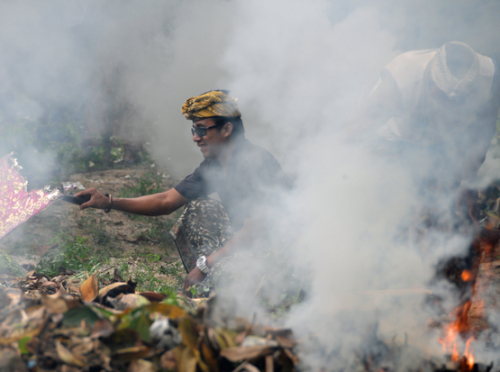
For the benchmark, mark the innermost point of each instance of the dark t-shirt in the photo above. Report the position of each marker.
(253, 180)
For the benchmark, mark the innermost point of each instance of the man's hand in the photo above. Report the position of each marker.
(194, 277)
(97, 199)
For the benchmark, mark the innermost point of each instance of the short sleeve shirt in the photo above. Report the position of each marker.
(253, 178)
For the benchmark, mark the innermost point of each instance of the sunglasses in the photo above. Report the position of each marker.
(202, 131)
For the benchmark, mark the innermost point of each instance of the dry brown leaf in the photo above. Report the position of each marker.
(246, 367)
(187, 328)
(66, 368)
(141, 365)
(171, 311)
(210, 333)
(36, 314)
(186, 360)
(84, 347)
(209, 358)
(10, 361)
(168, 360)
(49, 284)
(55, 305)
(291, 356)
(240, 338)
(114, 290)
(250, 368)
(238, 354)
(14, 295)
(219, 340)
(133, 352)
(153, 296)
(188, 331)
(33, 332)
(227, 335)
(269, 363)
(89, 288)
(67, 356)
(286, 342)
(127, 301)
(102, 328)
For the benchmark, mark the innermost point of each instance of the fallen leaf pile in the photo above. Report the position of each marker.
(55, 324)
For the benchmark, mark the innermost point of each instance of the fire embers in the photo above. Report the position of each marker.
(477, 278)
(454, 332)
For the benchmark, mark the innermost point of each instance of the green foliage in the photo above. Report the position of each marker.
(9, 266)
(74, 253)
(157, 231)
(58, 140)
(22, 345)
(171, 300)
(149, 184)
(150, 257)
(145, 271)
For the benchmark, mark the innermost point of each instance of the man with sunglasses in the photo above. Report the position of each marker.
(247, 179)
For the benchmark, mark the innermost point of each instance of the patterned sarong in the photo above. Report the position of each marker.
(202, 229)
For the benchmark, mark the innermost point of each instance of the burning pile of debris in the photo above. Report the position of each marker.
(64, 324)
(54, 324)
(477, 278)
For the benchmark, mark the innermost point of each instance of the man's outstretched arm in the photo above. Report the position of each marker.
(148, 205)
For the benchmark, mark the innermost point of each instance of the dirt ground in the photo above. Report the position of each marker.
(138, 246)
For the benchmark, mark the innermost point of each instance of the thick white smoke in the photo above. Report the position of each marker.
(300, 75)
(299, 69)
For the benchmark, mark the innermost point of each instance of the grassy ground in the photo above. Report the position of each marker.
(91, 241)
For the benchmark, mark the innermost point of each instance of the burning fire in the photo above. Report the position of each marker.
(466, 275)
(462, 328)
(468, 353)
(451, 339)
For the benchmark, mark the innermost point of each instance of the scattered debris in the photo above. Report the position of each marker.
(55, 324)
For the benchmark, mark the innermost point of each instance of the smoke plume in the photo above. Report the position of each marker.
(300, 71)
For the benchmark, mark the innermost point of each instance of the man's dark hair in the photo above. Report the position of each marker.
(238, 129)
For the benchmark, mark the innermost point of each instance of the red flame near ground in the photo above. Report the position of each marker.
(466, 275)
(450, 341)
(460, 328)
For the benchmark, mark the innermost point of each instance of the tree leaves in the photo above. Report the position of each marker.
(89, 288)
(67, 357)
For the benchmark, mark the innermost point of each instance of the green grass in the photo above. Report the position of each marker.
(74, 253)
(94, 248)
(157, 230)
(149, 184)
(9, 266)
(145, 271)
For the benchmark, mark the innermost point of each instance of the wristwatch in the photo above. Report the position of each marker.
(201, 263)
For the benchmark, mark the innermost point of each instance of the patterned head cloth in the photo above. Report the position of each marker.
(210, 104)
(454, 52)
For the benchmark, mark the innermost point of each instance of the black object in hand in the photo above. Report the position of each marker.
(76, 200)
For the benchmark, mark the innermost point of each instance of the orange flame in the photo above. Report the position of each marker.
(450, 341)
(468, 354)
(461, 327)
(466, 275)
